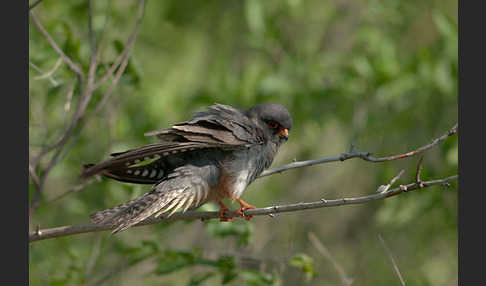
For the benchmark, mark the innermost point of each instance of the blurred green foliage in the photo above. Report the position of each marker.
(305, 263)
(381, 74)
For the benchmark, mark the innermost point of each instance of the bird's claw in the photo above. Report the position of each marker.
(244, 206)
(222, 209)
(241, 213)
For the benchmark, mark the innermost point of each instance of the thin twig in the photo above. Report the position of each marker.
(49, 77)
(362, 155)
(74, 67)
(122, 267)
(95, 254)
(31, 6)
(49, 73)
(33, 175)
(345, 279)
(92, 40)
(47, 149)
(79, 113)
(110, 89)
(121, 68)
(392, 260)
(85, 97)
(419, 170)
(384, 188)
(69, 97)
(71, 190)
(126, 49)
(191, 215)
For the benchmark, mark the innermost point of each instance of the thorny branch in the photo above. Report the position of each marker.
(41, 234)
(352, 154)
(362, 155)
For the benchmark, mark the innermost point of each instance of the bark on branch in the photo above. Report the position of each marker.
(362, 155)
(41, 234)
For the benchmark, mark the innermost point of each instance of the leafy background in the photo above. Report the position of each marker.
(381, 74)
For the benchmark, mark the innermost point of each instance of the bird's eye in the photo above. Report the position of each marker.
(272, 124)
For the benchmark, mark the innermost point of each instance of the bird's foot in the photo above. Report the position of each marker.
(244, 206)
(222, 209)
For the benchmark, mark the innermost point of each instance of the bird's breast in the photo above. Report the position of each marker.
(230, 184)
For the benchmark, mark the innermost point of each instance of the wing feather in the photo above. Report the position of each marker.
(220, 126)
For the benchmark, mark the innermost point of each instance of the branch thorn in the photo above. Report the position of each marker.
(384, 188)
(351, 147)
(419, 169)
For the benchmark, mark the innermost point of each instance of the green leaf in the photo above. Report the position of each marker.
(305, 263)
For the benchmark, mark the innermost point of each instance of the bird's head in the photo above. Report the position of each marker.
(274, 119)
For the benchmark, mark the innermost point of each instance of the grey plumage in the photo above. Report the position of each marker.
(214, 155)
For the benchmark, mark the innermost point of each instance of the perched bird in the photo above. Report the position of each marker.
(214, 155)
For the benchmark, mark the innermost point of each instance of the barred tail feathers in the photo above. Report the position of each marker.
(170, 195)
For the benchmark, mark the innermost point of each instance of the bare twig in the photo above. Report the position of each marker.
(92, 40)
(122, 267)
(33, 175)
(69, 97)
(108, 92)
(31, 6)
(126, 49)
(362, 155)
(79, 113)
(95, 253)
(50, 72)
(384, 188)
(90, 227)
(74, 67)
(392, 259)
(71, 190)
(123, 57)
(345, 279)
(86, 93)
(47, 75)
(419, 169)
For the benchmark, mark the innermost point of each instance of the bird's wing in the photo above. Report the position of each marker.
(220, 123)
(221, 126)
(147, 164)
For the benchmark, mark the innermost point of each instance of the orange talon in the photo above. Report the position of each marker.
(244, 206)
(222, 209)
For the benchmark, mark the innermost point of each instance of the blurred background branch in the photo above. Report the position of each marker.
(392, 260)
(86, 93)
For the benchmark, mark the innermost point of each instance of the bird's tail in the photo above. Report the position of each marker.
(167, 196)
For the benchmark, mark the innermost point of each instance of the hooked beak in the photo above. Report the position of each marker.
(283, 133)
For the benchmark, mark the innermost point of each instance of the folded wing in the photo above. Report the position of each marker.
(221, 127)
